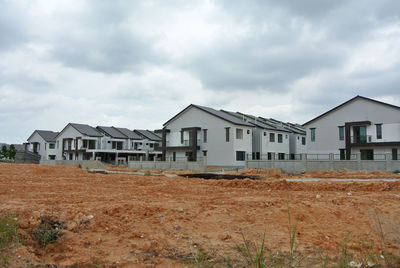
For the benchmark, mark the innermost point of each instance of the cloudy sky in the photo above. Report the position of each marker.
(137, 63)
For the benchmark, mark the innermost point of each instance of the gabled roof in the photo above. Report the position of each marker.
(112, 132)
(220, 114)
(83, 129)
(147, 134)
(47, 135)
(129, 133)
(349, 101)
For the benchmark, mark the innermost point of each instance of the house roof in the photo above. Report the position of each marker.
(47, 135)
(86, 130)
(148, 134)
(112, 132)
(347, 102)
(129, 133)
(220, 114)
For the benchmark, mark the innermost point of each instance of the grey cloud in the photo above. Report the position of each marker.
(12, 31)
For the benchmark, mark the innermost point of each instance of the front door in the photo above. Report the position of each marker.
(342, 154)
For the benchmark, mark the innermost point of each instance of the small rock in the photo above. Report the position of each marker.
(224, 236)
(318, 196)
(180, 209)
(90, 217)
(355, 264)
(349, 194)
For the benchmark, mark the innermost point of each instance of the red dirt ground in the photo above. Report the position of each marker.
(161, 221)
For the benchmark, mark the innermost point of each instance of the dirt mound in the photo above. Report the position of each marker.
(127, 220)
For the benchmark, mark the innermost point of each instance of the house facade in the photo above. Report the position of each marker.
(199, 132)
(359, 126)
(270, 140)
(43, 143)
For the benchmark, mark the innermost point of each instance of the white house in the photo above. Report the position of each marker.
(199, 131)
(108, 144)
(43, 142)
(359, 125)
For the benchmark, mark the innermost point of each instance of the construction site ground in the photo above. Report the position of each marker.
(126, 220)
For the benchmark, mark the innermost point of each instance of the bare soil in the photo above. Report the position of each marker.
(136, 220)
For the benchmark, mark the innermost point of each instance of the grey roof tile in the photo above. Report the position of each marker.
(112, 132)
(87, 130)
(129, 133)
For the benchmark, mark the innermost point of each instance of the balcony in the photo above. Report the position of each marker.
(361, 139)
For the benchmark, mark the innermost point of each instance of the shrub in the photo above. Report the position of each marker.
(48, 231)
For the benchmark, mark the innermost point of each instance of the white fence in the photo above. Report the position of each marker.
(327, 163)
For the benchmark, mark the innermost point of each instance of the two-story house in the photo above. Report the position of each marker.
(78, 142)
(359, 125)
(43, 142)
(199, 131)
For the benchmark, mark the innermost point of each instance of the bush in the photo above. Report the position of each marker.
(48, 231)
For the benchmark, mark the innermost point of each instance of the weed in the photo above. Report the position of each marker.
(253, 257)
(8, 231)
(147, 173)
(397, 171)
(48, 231)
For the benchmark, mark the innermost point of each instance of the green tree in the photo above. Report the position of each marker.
(4, 151)
(12, 151)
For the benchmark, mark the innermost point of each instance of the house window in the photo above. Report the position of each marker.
(52, 157)
(395, 155)
(52, 145)
(303, 140)
(181, 136)
(312, 134)
(341, 133)
(265, 133)
(227, 134)
(239, 134)
(248, 131)
(204, 153)
(281, 156)
(378, 131)
(272, 137)
(367, 154)
(280, 138)
(240, 155)
(269, 155)
(205, 135)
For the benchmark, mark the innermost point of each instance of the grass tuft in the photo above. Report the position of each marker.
(8, 231)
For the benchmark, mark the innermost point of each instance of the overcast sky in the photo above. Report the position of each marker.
(136, 64)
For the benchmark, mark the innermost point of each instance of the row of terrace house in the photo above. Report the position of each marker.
(227, 138)
(84, 142)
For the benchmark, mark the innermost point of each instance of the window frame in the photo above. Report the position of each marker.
(227, 134)
(341, 133)
(378, 131)
(271, 137)
(239, 133)
(312, 134)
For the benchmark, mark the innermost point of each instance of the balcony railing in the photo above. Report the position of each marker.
(361, 139)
